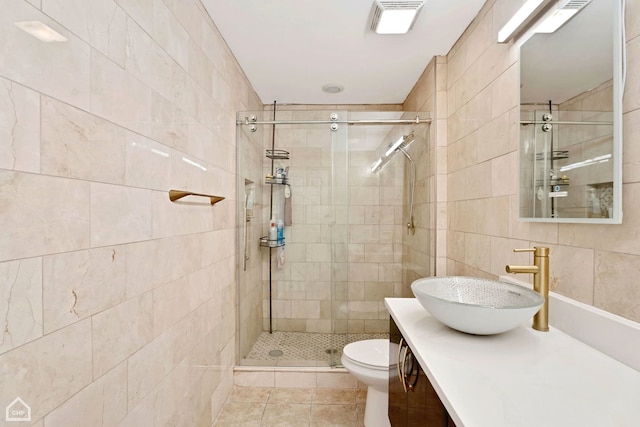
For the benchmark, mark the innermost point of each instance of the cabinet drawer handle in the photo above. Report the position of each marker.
(399, 365)
(404, 354)
(414, 367)
(404, 368)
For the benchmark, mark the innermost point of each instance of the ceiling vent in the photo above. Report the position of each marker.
(394, 17)
(576, 4)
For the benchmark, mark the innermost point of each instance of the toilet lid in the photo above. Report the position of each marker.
(369, 352)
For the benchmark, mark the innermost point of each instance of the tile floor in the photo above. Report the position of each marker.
(301, 348)
(293, 407)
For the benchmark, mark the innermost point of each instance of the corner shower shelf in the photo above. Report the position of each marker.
(264, 241)
(272, 180)
(553, 182)
(278, 178)
(554, 155)
(278, 154)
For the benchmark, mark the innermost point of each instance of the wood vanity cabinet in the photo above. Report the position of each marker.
(414, 403)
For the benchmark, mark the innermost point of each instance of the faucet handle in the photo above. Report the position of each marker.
(537, 250)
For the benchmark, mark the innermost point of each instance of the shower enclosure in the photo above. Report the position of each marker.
(305, 294)
(566, 162)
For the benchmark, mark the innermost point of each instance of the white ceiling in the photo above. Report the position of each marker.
(289, 49)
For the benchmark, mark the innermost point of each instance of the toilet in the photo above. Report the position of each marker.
(368, 361)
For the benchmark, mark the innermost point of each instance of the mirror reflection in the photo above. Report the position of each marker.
(569, 164)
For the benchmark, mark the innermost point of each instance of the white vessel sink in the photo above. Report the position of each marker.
(476, 306)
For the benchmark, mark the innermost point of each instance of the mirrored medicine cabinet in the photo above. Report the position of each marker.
(570, 149)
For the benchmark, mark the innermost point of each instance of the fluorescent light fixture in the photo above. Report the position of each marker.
(40, 31)
(395, 21)
(518, 19)
(394, 17)
(561, 15)
(599, 159)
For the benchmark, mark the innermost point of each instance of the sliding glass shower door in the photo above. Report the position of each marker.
(301, 301)
(304, 188)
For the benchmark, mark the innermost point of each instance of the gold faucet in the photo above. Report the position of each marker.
(540, 271)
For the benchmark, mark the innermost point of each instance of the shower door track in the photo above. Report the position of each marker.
(416, 120)
(560, 122)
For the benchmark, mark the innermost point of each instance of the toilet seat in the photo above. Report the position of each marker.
(371, 354)
(368, 362)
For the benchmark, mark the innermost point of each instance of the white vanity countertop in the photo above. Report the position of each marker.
(519, 378)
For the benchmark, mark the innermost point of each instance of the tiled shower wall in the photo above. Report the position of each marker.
(582, 142)
(594, 264)
(367, 267)
(587, 142)
(420, 257)
(374, 236)
(118, 306)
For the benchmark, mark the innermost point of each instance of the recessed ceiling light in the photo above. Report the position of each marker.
(40, 31)
(332, 88)
(394, 17)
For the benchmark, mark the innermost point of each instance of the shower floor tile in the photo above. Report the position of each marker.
(301, 348)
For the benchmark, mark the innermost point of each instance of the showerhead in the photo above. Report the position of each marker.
(376, 165)
(400, 145)
(402, 142)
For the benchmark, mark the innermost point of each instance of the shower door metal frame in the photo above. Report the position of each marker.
(334, 123)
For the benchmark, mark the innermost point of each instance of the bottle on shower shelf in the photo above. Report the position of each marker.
(273, 232)
(280, 231)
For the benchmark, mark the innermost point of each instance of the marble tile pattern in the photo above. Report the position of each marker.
(264, 406)
(142, 97)
(301, 348)
(117, 306)
(594, 264)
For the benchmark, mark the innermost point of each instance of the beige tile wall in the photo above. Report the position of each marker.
(595, 264)
(118, 306)
(115, 298)
(586, 142)
(419, 255)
